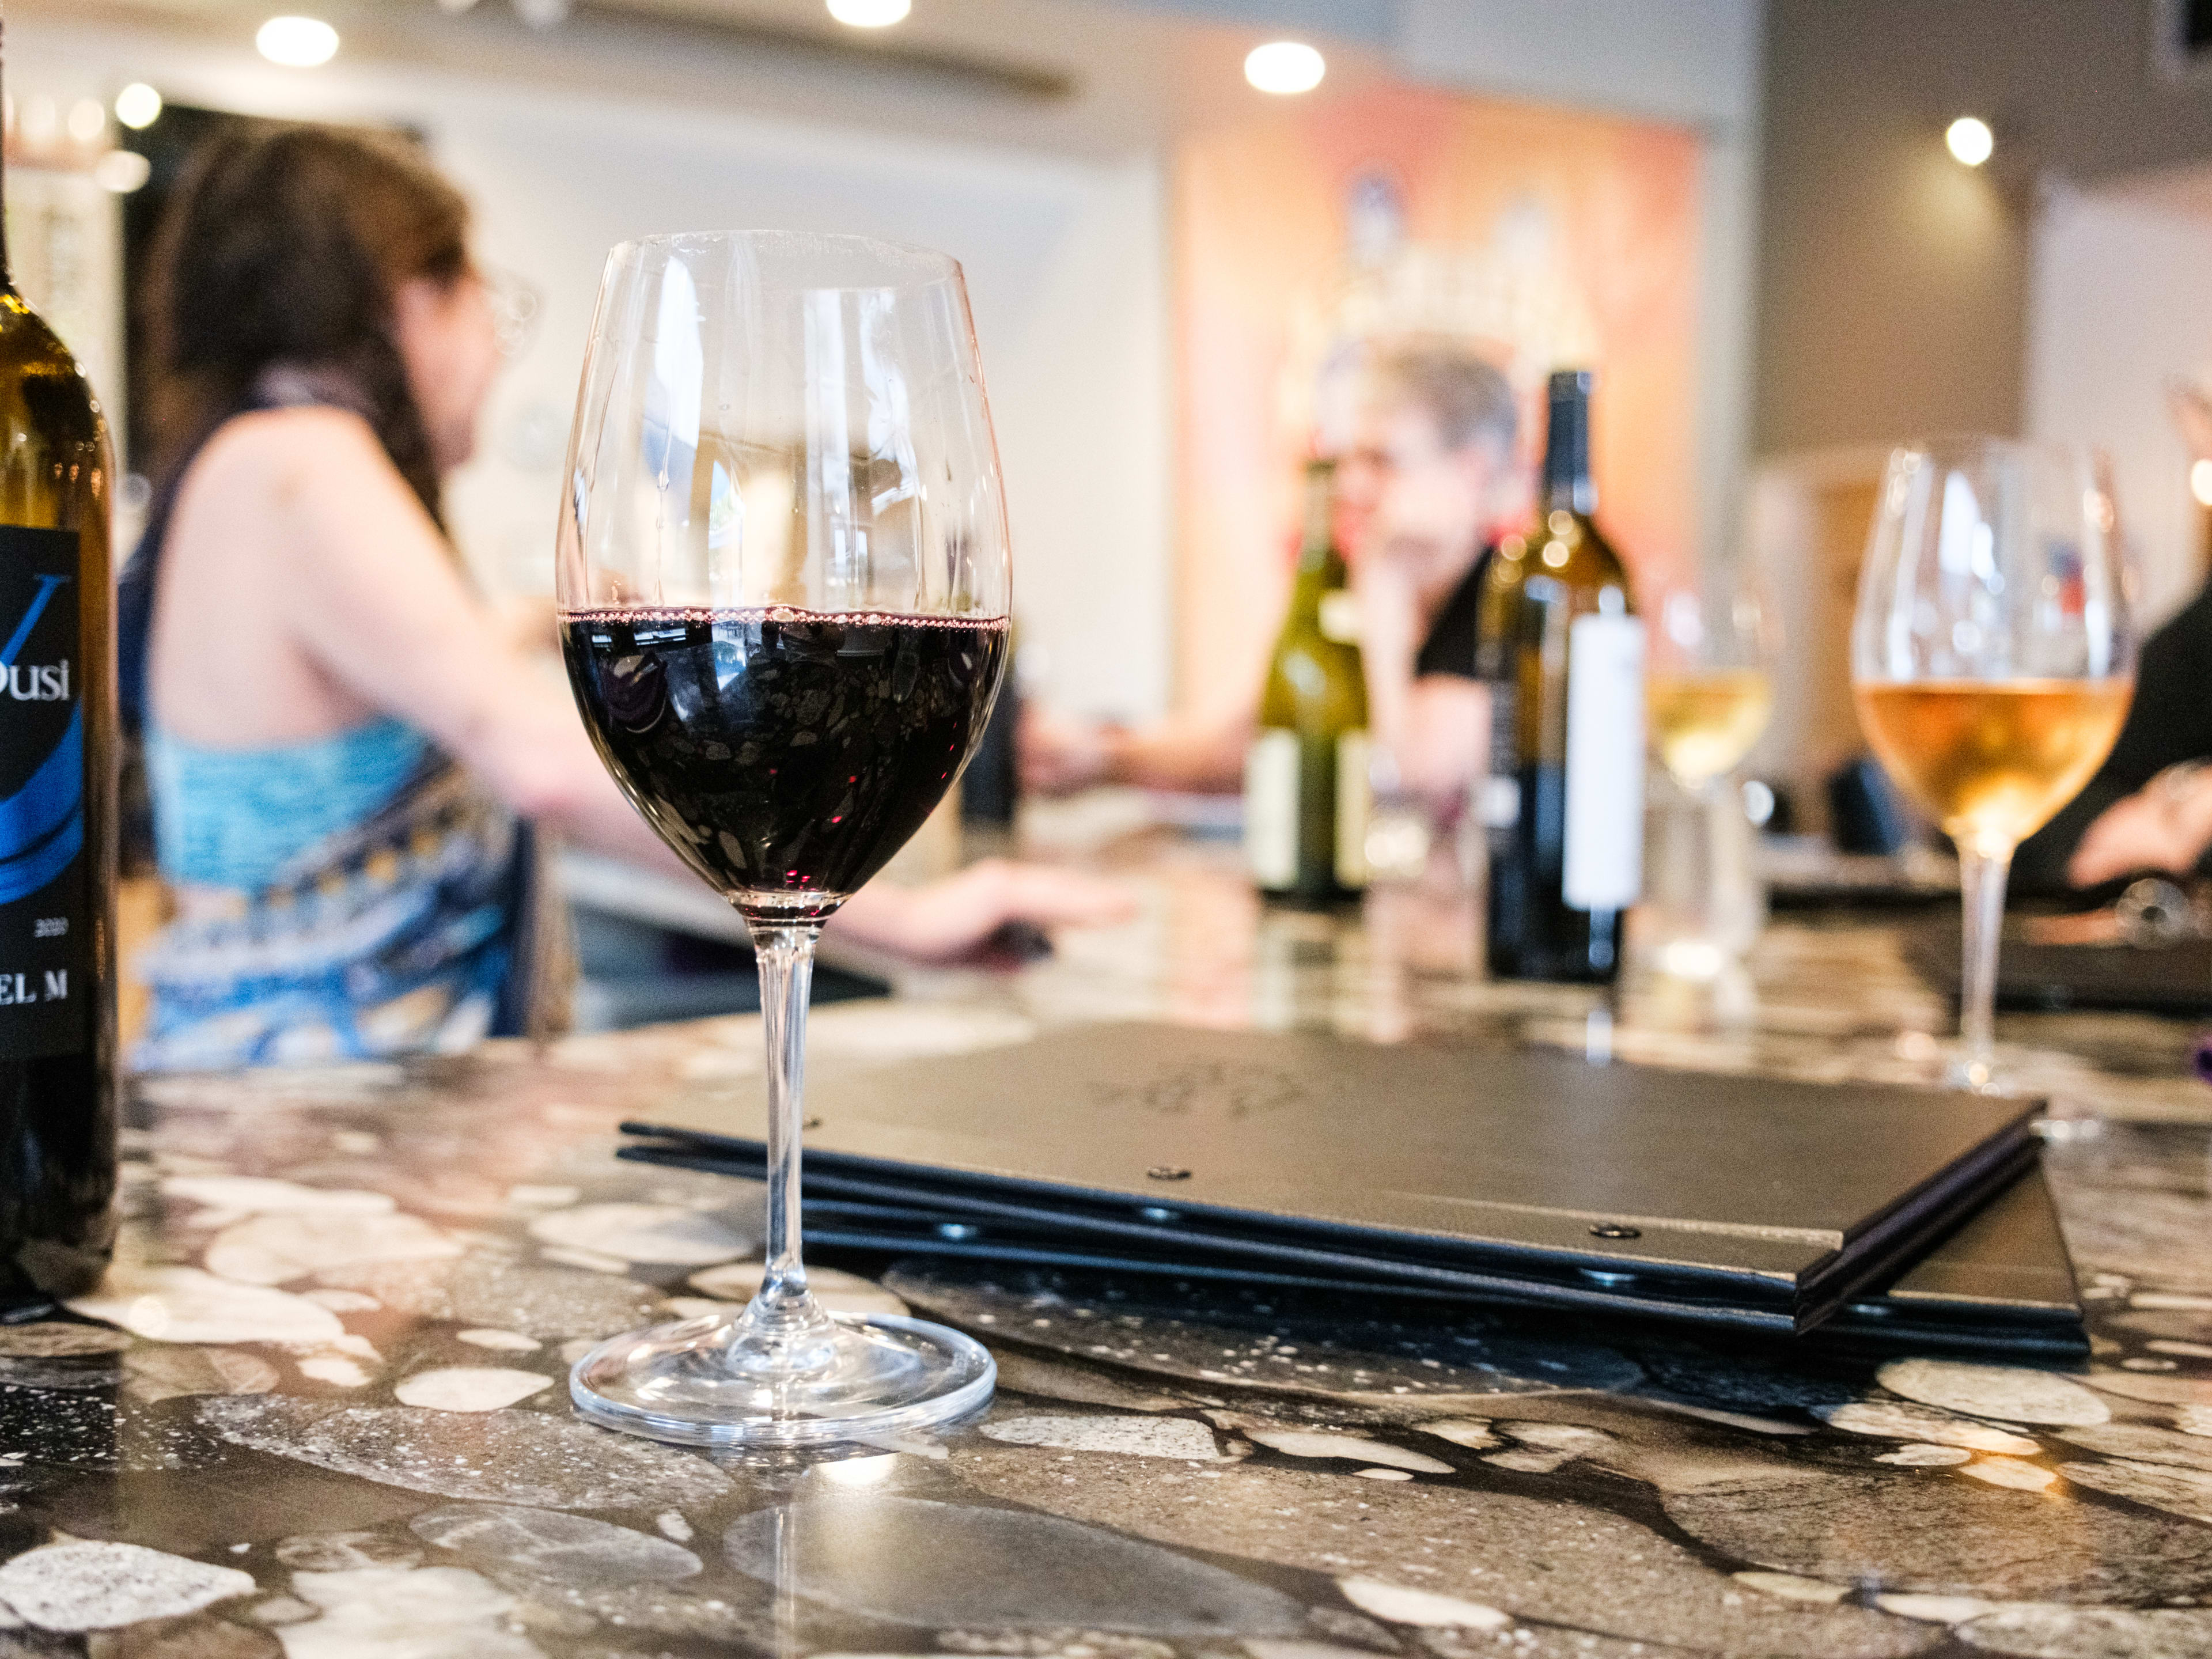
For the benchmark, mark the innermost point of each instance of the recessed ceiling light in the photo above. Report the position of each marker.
(870, 14)
(1285, 66)
(2200, 481)
(138, 105)
(297, 42)
(1970, 139)
(87, 119)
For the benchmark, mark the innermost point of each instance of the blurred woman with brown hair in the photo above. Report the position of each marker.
(345, 749)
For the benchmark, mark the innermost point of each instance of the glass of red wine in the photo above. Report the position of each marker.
(783, 585)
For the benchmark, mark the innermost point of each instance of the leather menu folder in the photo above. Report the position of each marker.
(2174, 978)
(1510, 1175)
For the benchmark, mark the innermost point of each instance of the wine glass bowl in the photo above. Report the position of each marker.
(1989, 764)
(1992, 662)
(783, 579)
(1708, 686)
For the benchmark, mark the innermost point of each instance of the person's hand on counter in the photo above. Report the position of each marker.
(1200, 754)
(1059, 755)
(2166, 825)
(961, 915)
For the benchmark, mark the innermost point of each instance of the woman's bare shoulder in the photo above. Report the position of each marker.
(265, 452)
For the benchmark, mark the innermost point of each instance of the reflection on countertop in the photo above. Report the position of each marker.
(326, 1416)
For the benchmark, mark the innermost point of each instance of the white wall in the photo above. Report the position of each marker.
(1064, 258)
(1063, 266)
(2119, 307)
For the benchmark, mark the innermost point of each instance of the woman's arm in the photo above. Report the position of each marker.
(1445, 746)
(374, 596)
(371, 592)
(1435, 725)
(958, 915)
(1187, 754)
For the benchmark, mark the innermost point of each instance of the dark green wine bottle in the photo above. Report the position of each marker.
(1560, 642)
(57, 820)
(1305, 777)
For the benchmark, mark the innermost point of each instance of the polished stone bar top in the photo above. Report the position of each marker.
(320, 1407)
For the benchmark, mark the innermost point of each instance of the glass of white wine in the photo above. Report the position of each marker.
(1707, 697)
(1708, 689)
(1992, 662)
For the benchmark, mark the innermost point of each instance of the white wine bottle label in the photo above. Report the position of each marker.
(1355, 806)
(45, 885)
(1271, 809)
(1605, 762)
(1497, 792)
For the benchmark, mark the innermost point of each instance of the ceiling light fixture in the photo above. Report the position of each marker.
(1970, 140)
(1284, 67)
(2200, 483)
(297, 42)
(138, 105)
(870, 14)
(87, 119)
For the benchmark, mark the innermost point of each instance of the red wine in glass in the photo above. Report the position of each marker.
(782, 751)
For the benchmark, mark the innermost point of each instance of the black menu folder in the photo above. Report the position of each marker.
(2172, 978)
(1518, 1177)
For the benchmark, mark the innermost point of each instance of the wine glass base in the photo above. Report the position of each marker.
(691, 1384)
(2008, 1070)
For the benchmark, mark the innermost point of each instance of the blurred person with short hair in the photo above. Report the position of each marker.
(1429, 470)
(346, 748)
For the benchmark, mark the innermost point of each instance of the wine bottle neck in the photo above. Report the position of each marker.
(7, 278)
(1319, 538)
(1567, 483)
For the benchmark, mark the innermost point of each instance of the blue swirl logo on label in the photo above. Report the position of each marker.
(42, 824)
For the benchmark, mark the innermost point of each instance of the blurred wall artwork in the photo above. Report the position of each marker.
(1308, 239)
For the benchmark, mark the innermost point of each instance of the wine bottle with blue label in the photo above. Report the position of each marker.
(57, 820)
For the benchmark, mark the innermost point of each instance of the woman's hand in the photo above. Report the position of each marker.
(958, 916)
(1058, 754)
(1191, 754)
(2164, 825)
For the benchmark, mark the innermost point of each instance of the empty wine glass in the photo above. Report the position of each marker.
(1992, 661)
(783, 585)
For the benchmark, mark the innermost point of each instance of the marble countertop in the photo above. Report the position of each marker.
(323, 1415)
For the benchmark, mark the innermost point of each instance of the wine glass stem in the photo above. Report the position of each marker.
(1982, 885)
(785, 955)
